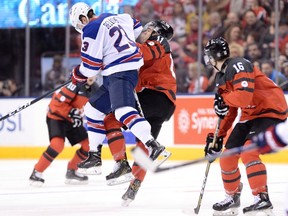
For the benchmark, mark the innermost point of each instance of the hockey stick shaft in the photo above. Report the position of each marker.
(33, 101)
(196, 210)
(227, 153)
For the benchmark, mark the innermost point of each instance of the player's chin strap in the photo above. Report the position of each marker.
(34, 101)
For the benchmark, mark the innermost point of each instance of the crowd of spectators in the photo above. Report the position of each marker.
(247, 25)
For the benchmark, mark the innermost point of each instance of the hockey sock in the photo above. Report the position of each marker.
(115, 138)
(137, 124)
(137, 171)
(80, 155)
(255, 170)
(56, 146)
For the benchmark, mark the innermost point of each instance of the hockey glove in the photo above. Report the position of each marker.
(211, 152)
(163, 41)
(78, 78)
(268, 141)
(220, 108)
(76, 117)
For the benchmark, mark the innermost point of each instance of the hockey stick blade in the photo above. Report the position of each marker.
(146, 163)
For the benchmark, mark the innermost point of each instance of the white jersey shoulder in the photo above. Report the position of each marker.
(108, 45)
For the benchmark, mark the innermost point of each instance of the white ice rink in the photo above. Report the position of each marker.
(170, 193)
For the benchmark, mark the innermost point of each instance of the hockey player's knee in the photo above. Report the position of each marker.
(229, 163)
(125, 114)
(85, 145)
(92, 112)
(57, 144)
(111, 122)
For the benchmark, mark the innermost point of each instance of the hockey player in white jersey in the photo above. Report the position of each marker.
(109, 48)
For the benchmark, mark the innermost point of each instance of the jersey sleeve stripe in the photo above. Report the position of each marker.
(134, 57)
(243, 79)
(246, 89)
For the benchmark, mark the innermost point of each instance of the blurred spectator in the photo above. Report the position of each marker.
(283, 36)
(190, 45)
(260, 11)
(232, 18)
(234, 34)
(9, 88)
(281, 60)
(216, 27)
(146, 12)
(181, 60)
(236, 6)
(267, 67)
(285, 50)
(56, 75)
(221, 7)
(252, 25)
(189, 6)
(236, 50)
(283, 5)
(285, 69)
(127, 9)
(198, 81)
(267, 38)
(178, 22)
(253, 52)
(211, 73)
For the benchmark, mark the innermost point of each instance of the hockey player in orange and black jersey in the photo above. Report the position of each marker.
(262, 104)
(156, 91)
(64, 120)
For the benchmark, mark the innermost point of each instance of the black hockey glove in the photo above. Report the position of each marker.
(76, 117)
(220, 108)
(211, 152)
(163, 41)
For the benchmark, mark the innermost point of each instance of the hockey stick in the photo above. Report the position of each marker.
(196, 210)
(34, 101)
(148, 164)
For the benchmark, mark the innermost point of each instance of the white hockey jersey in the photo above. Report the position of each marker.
(108, 45)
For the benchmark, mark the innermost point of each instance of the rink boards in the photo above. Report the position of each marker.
(25, 135)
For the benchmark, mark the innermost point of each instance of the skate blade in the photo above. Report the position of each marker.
(265, 212)
(36, 183)
(164, 156)
(121, 179)
(90, 171)
(126, 203)
(75, 182)
(228, 212)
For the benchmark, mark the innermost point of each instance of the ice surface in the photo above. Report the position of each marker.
(170, 193)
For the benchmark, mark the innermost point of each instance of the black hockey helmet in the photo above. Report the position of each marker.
(217, 49)
(161, 27)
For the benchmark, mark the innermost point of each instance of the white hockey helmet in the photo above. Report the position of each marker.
(77, 10)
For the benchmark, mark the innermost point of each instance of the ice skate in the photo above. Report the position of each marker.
(36, 179)
(230, 205)
(131, 192)
(155, 149)
(122, 173)
(92, 165)
(75, 178)
(262, 205)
